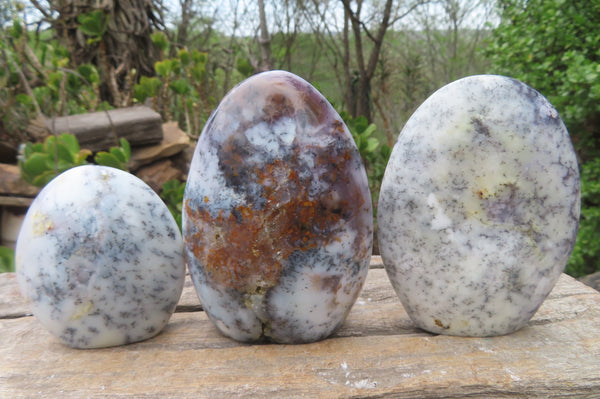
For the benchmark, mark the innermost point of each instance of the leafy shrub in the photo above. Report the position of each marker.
(172, 194)
(552, 45)
(7, 260)
(41, 162)
(179, 90)
(375, 155)
(585, 258)
(117, 157)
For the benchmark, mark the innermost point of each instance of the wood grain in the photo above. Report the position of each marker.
(140, 125)
(377, 353)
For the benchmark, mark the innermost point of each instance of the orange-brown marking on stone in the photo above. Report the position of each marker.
(277, 105)
(250, 246)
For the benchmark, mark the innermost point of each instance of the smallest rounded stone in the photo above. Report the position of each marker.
(100, 258)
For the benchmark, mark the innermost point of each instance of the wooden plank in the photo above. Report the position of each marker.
(12, 184)
(140, 125)
(19, 202)
(377, 353)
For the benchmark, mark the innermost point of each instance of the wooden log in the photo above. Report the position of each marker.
(140, 125)
(377, 353)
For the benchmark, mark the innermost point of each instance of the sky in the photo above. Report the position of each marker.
(479, 11)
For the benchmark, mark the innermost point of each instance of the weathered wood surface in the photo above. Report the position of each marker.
(13, 185)
(140, 125)
(377, 353)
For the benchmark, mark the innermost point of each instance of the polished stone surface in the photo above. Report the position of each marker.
(100, 258)
(277, 213)
(479, 207)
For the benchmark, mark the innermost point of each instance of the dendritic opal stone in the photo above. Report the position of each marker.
(100, 258)
(277, 217)
(479, 207)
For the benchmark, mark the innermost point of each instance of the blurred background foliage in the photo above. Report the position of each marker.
(375, 60)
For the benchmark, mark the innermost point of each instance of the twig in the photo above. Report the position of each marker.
(23, 80)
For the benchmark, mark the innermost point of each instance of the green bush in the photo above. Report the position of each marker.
(374, 154)
(117, 157)
(179, 90)
(7, 260)
(552, 45)
(41, 162)
(172, 194)
(585, 258)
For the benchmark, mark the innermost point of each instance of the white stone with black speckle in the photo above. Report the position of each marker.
(479, 207)
(100, 258)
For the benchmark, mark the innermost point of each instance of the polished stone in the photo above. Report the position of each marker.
(277, 213)
(479, 207)
(100, 258)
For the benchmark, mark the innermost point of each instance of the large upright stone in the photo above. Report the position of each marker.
(479, 207)
(277, 214)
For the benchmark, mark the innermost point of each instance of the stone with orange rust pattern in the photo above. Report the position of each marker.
(277, 214)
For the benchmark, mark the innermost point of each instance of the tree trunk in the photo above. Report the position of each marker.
(125, 45)
(366, 71)
(184, 25)
(264, 40)
(350, 92)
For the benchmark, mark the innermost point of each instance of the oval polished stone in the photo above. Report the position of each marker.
(100, 258)
(277, 214)
(479, 207)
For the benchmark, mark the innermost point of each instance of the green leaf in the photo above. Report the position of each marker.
(70, 142)
(126, 148)
(40, 162)
(386, 152)
(36, 164)
(361, 123)
(160, 40)
(117, 157)
(93, 23)
(163, 68)
(7, 260)
(118, 154)
(44, 52)
(44, 178)
(372, 144)
(32, 148)
(24, 99)
(244, 67)
(198, 72)
(107, 159)
(16, 30)
(369, 130)
(180, 86)
(175, 66)
(80, 158)
(89, 73)
(172, 194)
(54, 79)
(198, 57)
(64, 155)
(184, 57)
